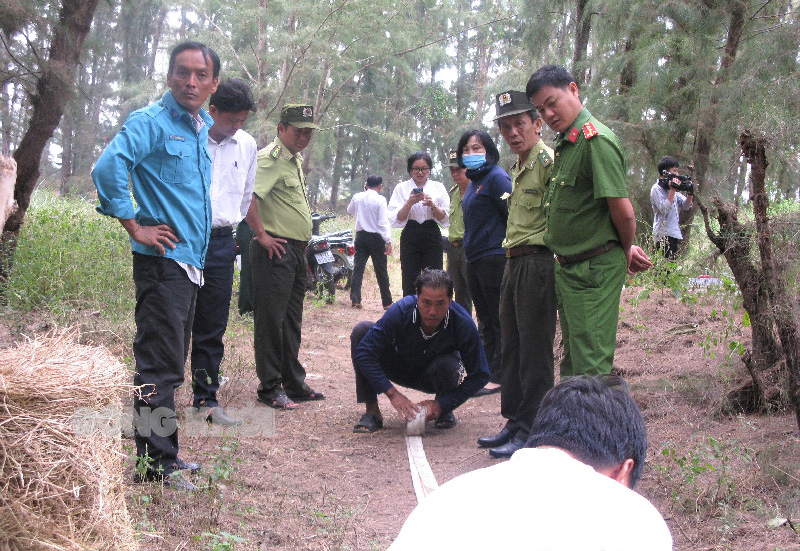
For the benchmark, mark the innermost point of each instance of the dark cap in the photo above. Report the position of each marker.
(454, 159)
(299, 115)
(512, 103)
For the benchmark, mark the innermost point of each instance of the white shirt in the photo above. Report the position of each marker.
(369, 208)
(665, 214)
(541, 499)
(419, 212)
(233, 174)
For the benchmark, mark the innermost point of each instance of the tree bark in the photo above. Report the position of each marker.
(583, 28)
(53, 89)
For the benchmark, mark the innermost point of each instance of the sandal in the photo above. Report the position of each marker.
(368, 423)
(281, 401)
(310, 397)
(446, 421)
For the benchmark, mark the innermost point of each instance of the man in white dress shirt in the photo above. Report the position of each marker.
(373, 239)
(233, 152)
(570, 488)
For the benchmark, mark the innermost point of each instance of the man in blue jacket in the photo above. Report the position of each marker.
(162, 148)
(426, 342)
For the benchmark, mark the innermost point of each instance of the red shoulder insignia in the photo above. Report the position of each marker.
(573, 134)
(589, 131)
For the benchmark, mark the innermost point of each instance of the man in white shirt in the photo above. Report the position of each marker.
(233, 152)
(666, 201)
(570, 488)
(373, 239)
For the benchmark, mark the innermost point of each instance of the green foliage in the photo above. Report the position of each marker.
(70, 258)
(223, 541)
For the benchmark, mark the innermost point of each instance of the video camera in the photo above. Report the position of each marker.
(686, 182)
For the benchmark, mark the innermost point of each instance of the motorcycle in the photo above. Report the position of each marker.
(329, 257)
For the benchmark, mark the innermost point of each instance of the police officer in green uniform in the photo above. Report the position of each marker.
(456, 263)
(590, 223)
(528, 294)
(281, 218)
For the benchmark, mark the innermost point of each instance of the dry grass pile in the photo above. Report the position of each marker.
(61, 488)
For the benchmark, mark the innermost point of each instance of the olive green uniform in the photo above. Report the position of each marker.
(589, 167)
(528, 295)
(279, 283)
(456, 263)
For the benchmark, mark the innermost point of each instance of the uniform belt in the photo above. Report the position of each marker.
(524, 250)
(457, 242)
(294, 242)
(221, 231)
(591, 253)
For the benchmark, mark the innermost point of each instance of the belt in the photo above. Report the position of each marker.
(524, 250)
(457, 242)
(591, 253)
(294, 242)
(221, 231)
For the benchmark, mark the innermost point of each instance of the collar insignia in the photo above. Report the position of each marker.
(573, 135)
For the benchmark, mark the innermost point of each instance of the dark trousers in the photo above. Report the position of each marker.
(279, 286)
(165, 300)
(457, 268)
(441, 375)
(485, 278)
(370, 245)
(211, 319)
(420, 247)
(244, 235)
(668, 247)
(528, 318)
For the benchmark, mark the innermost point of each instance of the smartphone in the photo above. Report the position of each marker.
(416, 190)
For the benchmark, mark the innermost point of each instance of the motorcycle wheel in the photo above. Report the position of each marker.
(326, 285)
(343, 275)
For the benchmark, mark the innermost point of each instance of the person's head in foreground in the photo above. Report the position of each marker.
(596, 421)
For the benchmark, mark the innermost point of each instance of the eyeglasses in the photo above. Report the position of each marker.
(418, 170)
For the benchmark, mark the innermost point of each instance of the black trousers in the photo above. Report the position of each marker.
(165, 299)
(244, 235)
(485, 278)
(668, 247)
(279, 286)
(457, 268)
(528, 317)
(370, 245)
(211, 320)
(420, 247)
(441, 375)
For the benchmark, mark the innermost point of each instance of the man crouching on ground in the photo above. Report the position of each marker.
(426, 342)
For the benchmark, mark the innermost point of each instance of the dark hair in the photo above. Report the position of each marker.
(414, 157)
(232, 96)
(666, 163)
(434, 279)
(492, 155)
(374, 181)
(208, 53)
(549, 75)
(596, 420)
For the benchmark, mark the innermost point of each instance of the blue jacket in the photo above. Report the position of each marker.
(398, 333)
(169, 167)
(485, 213)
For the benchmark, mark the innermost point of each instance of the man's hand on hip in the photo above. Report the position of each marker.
(154, 236)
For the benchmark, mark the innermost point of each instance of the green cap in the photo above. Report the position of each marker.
(512, 103)
(299, 115)
(454, 159)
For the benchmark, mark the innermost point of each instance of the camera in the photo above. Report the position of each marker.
(686, 182)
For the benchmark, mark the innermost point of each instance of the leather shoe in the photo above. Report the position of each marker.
(217, 416)
(181, 465)
(498, 439)
(508, 449)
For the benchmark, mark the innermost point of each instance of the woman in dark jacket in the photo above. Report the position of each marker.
(485, 209)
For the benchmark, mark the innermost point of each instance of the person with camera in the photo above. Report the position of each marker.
(666, 199)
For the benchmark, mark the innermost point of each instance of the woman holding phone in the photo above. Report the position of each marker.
(420, 206)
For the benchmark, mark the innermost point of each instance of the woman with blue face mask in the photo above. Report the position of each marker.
(485, 208)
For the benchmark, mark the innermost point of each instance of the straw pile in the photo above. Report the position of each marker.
(60, 488)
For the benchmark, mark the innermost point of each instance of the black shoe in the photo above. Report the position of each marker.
(181, 465)
(217, 416)
(508, 449)
(445, 421)
(174, 480)
(496, 440)
(486, 391)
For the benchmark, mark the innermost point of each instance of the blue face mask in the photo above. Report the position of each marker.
(473, 161)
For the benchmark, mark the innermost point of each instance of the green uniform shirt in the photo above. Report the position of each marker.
(456, 230)
(526, 219)
(586, 171)
(281, 189)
